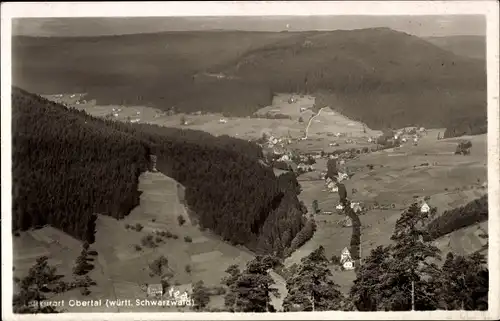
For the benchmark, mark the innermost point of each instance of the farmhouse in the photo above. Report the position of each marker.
(342, 177)
(356, 207)
(340, 207)
(284, 158)
(222, 121)
(425, 208)
(346, 260)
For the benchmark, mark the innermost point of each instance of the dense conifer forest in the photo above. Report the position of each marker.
(378, 76)
(69, 166)
(457, 218)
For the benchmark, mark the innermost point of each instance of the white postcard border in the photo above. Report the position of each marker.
(248, 8)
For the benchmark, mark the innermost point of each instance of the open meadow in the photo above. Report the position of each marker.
(393, 177)
(121, 267)
(398, 178)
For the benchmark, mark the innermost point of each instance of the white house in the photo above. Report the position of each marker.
(339, 207)
(346, 260)
(342, 176)
(345, 255)
(334, 189)
(302, 109)
(222, 121)
(348, 265)
(284, 158)
(425, 208)
(356, 207)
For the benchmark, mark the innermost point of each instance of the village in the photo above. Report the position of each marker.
(306, 155)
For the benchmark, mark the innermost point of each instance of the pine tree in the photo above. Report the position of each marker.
(372, 280)
(160, 268)
(412, 254)
(332, 170)
(310, 288)
(41, 277)
(401, 272)
(315, 207)
(250, 290)
(463, 283)
(200, 295)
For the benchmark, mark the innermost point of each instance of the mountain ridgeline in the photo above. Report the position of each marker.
(379, 76)
(69, 166)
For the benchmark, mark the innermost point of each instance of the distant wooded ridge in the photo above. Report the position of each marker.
(379, 76)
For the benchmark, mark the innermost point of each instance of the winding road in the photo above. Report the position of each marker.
(310, 121)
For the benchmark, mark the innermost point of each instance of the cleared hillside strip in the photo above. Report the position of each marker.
(68, 166)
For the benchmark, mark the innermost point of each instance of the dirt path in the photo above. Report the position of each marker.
(277, 302)
(160, 195)
(310, 121)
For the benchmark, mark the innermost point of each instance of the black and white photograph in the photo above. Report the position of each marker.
(223, 162)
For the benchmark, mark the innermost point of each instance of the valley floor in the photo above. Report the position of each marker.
(398, 177)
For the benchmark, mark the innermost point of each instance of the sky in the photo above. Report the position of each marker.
(422, 26)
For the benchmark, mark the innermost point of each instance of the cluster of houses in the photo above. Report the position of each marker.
(276, 143)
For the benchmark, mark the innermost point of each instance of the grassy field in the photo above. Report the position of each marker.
(120, 269)
(321, 132)
(245, 128)
(397, 178)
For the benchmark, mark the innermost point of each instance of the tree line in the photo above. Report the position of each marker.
(473, 212)
(69, 166)
(407, 275)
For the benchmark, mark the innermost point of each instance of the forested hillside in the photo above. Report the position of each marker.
(457, 218)
(69, 166)
(379, 76)
(467, 46)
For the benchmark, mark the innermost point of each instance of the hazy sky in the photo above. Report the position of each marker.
(423, 26)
